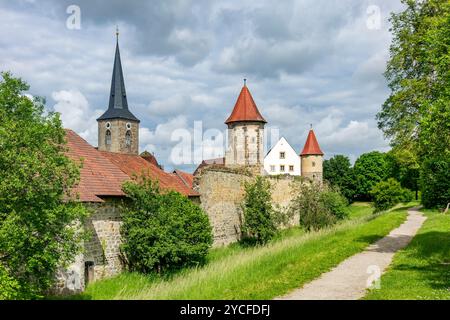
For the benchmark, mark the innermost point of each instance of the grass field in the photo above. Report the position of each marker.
(233, 272)
(422, 270)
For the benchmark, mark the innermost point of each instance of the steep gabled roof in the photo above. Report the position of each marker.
(118, 104)
(103, 173)
(98, 175)
(245, 109)
(132, 164)
(311, 146)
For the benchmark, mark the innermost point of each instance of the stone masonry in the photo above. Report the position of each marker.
(222, 192)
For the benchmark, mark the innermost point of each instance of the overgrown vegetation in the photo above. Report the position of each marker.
(317, 205)
(38, 229)
(162, 232)
(386, 194)
(261, 272)
(260, 219)
(420, 271)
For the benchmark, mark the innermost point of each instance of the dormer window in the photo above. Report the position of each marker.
(108, 137)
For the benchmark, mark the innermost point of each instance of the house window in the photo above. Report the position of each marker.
(128, 138)
(282, 168)
(272, 168)
(313, 164)
(291, 168)
(108, 137)
(282, 155)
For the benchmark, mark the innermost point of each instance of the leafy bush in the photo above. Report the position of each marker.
(259, 225)
(162, 231)
(314, 209)
(37, 211)
(335, 203)
(369, 169)
(387, 194)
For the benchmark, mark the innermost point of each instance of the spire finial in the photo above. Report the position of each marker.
(117, 32)
(310, 126)
(245, 82)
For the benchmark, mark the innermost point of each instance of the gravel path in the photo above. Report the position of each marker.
(350, 279)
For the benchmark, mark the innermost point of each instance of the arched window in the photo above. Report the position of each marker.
(108, 137)
(128, 138)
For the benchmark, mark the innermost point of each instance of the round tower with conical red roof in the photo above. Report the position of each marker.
(245, 132)
(311, 158)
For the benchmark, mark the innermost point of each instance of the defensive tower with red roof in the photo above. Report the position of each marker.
(245, 132)
(312, 158)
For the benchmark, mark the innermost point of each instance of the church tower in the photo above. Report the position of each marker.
(245, 132)
(118, 128)
(312, 158)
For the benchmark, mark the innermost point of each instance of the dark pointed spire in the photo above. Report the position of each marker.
(118, 104)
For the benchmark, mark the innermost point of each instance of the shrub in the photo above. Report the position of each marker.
(314, 209)
(162, 231)
(387, 194)
(259, 225)
(335, 203)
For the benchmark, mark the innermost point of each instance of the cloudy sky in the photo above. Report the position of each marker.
(306, 61)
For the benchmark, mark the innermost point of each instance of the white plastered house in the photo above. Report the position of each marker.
(282, 159)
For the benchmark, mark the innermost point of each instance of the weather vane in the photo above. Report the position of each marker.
(117, 32)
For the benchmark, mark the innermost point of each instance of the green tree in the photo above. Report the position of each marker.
(369, 169)
(162, 232)
(404, 167)
(415, 116)
(259, 225)
(317, 205)
(387, 194)
(37, 213)
(337, 171)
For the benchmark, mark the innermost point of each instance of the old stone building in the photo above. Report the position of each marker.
(245, 132)
(217, 185)
(312, 158)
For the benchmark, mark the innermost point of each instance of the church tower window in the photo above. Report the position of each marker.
(108, 137)
(128, 138)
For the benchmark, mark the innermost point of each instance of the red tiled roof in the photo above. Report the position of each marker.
(245, 108)
(311, 146)
(150, 158)
(186, 178)
(136, 165)
(103, 173)
(98, 176)
(209, 162)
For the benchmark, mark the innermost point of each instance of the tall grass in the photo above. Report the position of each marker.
(259, 272)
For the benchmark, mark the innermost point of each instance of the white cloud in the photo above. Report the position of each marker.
(76, 113)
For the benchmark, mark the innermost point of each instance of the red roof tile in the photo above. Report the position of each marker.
(311, 146)
(98, 176)
(103, 173)
(186, 178)
(136, 165)
(245, 108)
